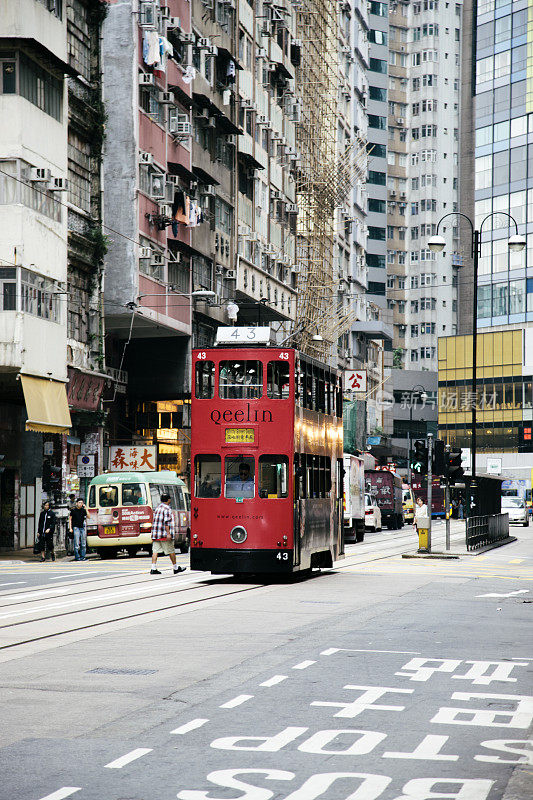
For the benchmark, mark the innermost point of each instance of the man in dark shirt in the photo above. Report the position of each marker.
(76, 524)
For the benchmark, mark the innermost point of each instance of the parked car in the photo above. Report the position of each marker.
(372, 514)
(517, 509)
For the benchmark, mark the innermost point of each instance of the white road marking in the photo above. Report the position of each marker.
(304, 664)
(128, 758)
(190, 726)
(273, 680)
(12, 583)
(76, 575)
(351, 650)
(508, 594)
(237, 701)
(66, 791)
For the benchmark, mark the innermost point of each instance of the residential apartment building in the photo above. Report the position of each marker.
(33, 257)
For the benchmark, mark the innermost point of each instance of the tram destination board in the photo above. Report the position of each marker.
(240, 435)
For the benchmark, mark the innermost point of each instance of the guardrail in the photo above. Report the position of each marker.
(485, 530)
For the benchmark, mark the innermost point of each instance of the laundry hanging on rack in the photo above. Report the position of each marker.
(189, 75)
(230, 72)
(151, 49)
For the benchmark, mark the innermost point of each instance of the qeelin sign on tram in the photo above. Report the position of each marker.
(266, 447)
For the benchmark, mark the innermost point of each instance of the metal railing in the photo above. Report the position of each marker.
(485, 530)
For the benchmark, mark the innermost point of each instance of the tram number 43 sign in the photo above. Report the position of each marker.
(355, 380)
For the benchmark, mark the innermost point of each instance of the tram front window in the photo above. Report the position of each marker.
(207, 476)
(273, 472)
(241, 380)
(278, 376)
(240, 472)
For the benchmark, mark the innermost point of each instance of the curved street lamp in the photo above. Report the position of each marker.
(437, 243)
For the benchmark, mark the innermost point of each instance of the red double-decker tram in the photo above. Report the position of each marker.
(267, 461)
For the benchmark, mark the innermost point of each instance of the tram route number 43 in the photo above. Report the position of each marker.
(202, 356)
(282, 556)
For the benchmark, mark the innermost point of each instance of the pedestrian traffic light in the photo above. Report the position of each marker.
(525, 438)
(439, 461)
(455, 470)
(51, 476)
(419, 462)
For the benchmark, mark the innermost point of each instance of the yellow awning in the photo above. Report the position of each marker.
(46, 405)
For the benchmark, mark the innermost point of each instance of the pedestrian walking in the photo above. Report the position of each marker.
(163, 530)
(45, 532)
(421, 511)
(77, 527)
(461, 510)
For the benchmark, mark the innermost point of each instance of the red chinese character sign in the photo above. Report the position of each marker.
(355, 380)
(132, 458)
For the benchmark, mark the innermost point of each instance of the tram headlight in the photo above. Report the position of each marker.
(238, 534)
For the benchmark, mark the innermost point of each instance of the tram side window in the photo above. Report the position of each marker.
(108, 496)
(207, 476)
(316, 471)
(338, 398)
(133, 494)
(273, 476)
(205, 380)
(278, 380)
(240, 476)
(241, 380)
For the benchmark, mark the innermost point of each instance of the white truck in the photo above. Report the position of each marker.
(354, 498)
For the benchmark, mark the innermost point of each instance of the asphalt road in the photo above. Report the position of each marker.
(384, 678)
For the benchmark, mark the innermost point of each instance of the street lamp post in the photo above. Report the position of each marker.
(416, 391)
(437, 243)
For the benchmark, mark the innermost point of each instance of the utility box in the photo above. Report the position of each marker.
(422, 525)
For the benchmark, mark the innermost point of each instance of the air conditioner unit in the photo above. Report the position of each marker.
(187, 38)
(292, 208)
(174, 257)
(212, 122)
(174, 180)
(146, 158)
(212, 50)
(260, 53)
(147, 14)
(165, 210)
(272, 66)
(208, 191)
(403, 195)
(145, 79)
(202, 115)
(165, 12)
(58, 185)
(400, 121)
(145, 252)
(261, 119)
(179, 126)
(245, 102)
(173, 23)
(219, 269)
(392, 193)
(167, 98)
(40, 174)
(231, 139)
(157, 260)
(204, 44)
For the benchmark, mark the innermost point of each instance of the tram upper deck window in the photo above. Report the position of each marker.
(278, 380)
(108, 496)
(273, 476)
(207, 476)
(205, 380)
(240, 476)
(241, 380)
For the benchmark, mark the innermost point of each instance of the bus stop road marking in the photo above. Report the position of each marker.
(128, 758)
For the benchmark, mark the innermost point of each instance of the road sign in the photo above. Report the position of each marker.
(85, 467)
(355, 380)
(494, 466)
(466, 458)
(135, 458)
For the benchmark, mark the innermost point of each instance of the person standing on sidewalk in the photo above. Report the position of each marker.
(45, 531)
(76, 524)
(421, 511)
(163, 535)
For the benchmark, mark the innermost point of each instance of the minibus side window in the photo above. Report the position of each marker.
(156, 490)
(108, 496)
(205, 380)
(273, 476)
(207, 476)
(175, 498)
(92, 497)
(133, 494)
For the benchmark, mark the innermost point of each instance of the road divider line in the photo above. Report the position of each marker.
(190, 726)
(237, 701)
(12, 583)
(274, 680)
(118, 763)
(65, 791)
(304, 664)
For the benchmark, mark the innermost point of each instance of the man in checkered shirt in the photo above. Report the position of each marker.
(163, 535)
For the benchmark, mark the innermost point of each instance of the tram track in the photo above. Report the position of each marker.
(114, 618)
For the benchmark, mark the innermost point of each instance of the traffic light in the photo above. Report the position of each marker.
(455, 470)
(439, 461)
(419, 462)
(51, 476)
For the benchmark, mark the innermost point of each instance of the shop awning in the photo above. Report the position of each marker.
(46, 405)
